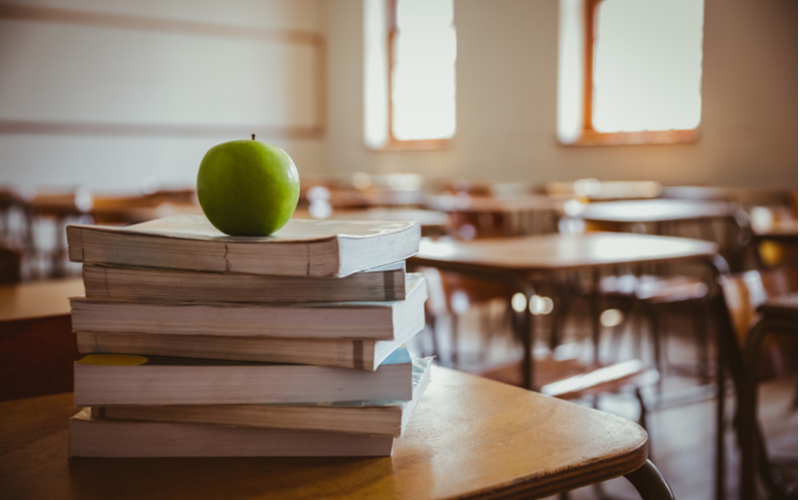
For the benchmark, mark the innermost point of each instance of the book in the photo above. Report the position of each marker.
(113, 379)
(353, 320)
(97, 437)
(343, 353)
(358, 417)
(166, 285)
(300, 248)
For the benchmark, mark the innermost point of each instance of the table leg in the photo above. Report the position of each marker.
(526, 334)
(719, 475)
(595, 312)
(726, 339)
(649, 482)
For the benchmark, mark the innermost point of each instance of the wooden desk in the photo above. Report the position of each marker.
(432, 223)
(120, 213)
(37, 346)
(483, 204)
(469, 438)
(777, 315)
(500, 216)
(657, 211)
(781, 231)
(516, 262)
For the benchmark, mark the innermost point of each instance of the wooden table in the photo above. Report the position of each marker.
(784, 231)
(37, 346)
(660, 212)
(433, 223)
(469, 438)
(501, 216)
(517, 262)
(778, 316)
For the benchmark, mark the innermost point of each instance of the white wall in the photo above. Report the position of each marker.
(506, 101)
(95, 104)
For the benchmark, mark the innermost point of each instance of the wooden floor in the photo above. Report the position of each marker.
(680, 423)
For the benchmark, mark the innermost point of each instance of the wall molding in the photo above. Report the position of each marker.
(159, 25)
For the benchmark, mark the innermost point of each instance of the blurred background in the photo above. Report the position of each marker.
(480, 119)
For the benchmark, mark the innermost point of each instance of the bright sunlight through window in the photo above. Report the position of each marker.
(647, 65)
(410, 54)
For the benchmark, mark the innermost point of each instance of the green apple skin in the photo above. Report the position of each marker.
(247, 188)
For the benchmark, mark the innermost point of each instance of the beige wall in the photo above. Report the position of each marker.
(154, 93)
(506, 101)
(506, 96)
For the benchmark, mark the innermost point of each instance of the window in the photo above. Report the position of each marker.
(409, 74)
(629, 71)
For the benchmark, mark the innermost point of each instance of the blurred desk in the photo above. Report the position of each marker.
(120, 213)
(780, 231)
(775, 242)
(658, 211)
(37, 346)
(517, 262)
(500, 216)
(433, 223)
(469, 437)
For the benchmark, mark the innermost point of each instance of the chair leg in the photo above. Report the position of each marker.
(643, 416)
(454, 339)
(432, 322)
(652, 314)
(701, 334)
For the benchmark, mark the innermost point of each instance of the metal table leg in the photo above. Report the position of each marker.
(650, 484)
(727, 352)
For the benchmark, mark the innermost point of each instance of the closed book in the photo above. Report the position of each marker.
(104, 438)
(343, 353)
(357, 417)
(113, 379)
(300, 248)
(169, 285)
(353, 320)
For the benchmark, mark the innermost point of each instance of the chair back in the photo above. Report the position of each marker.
(744, 293)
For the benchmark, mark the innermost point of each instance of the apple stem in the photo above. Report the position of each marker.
(253, 136)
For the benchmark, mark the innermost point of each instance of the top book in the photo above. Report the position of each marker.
(301, 248)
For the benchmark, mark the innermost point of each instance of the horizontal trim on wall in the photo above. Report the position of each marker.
(151, 24)
(142, 23)
(24, 127)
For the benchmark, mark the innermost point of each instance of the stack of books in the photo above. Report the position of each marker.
(202, 344)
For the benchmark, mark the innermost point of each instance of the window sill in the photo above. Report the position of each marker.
(595, 138)
(418, 145)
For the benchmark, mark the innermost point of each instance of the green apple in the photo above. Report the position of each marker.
(247, 188)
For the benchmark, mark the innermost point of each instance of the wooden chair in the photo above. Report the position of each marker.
(558, 375)
(743, 294)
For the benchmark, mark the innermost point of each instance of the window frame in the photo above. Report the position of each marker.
(392, 142)
(589, 136)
